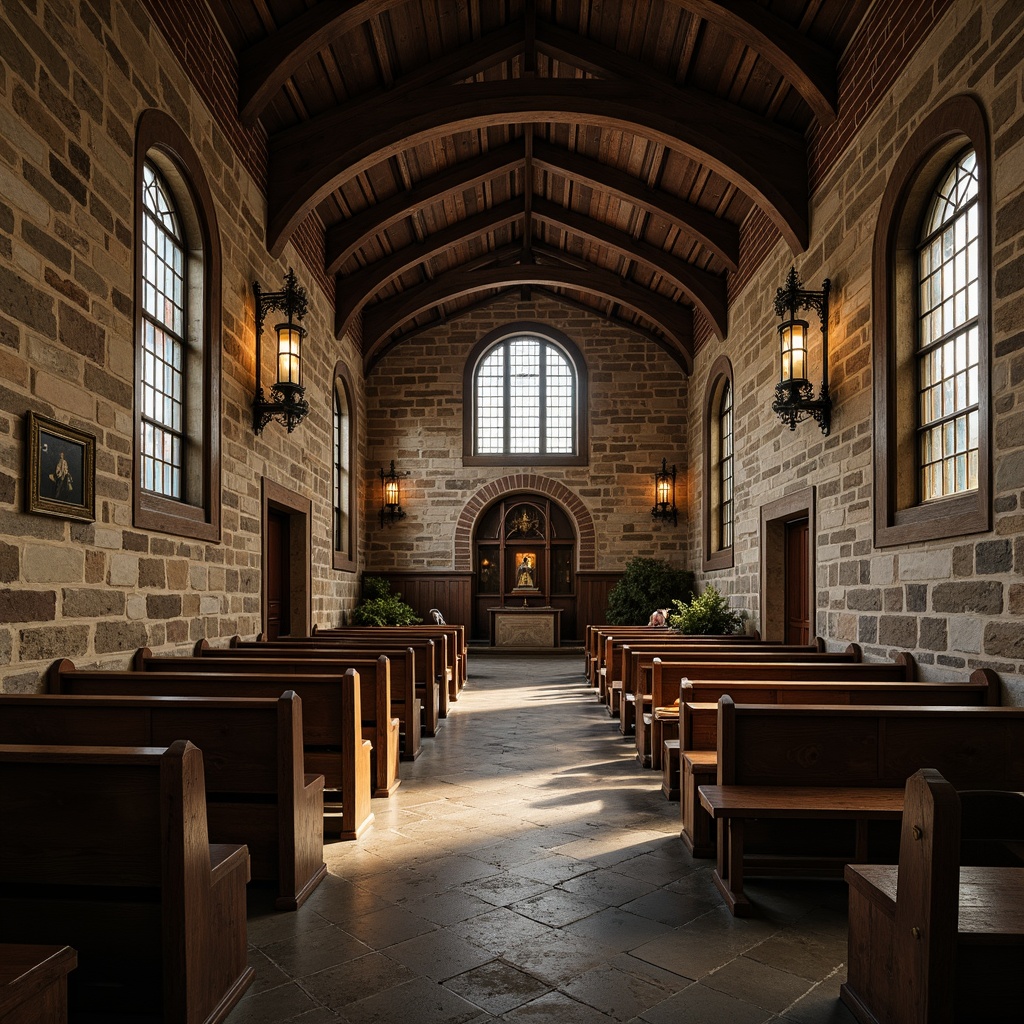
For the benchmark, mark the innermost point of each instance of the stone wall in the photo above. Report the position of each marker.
(414, 399)
(955, 604)
(73, 80)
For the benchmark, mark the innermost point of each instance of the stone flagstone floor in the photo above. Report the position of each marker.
(528, 870)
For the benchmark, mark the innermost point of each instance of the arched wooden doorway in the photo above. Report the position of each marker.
(524, 555)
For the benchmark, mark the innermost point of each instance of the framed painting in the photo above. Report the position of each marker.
(61, 470)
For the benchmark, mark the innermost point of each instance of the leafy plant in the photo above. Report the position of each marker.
(708, 612)
(380, 607)
(646, 584)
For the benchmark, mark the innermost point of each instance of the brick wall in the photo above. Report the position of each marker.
(414, 399)
(958, 604)
(69, 101)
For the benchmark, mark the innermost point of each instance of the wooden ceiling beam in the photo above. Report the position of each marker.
(454, 66)
(706, 290)
(809, 67)
(344, 238)
(309, 161)
(674, 322)
(353, 291)
(719, 235)
(264, 67)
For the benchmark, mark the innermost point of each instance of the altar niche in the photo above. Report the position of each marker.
(524, 557)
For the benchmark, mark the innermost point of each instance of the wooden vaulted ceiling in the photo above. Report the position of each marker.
(604, 150)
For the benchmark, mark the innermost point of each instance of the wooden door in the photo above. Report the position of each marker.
(279, 613)
(798, 596)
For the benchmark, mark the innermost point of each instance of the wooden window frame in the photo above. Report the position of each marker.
(900, 516)
(159, 140)
(581, 412)
(345, 560)
(720, 375)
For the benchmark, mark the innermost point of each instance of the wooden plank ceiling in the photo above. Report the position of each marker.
(604, 150)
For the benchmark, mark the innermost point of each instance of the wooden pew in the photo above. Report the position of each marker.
(377, 678)
(34, 983)
(427, 680)
(403, 673)
(638, 695)
(333, 744)
(945, 944)
(811, 763)
(698, 724)
(257, 791)
(376, 699)
(449, 640)
(110, 853)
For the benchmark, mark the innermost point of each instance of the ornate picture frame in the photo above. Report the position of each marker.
(60, 470)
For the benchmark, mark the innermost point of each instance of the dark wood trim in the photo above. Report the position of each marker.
(721, 370)
(582, 412)
(339, 559)
(774, 516)
(159, 138)
(899, 516)
(299, 510)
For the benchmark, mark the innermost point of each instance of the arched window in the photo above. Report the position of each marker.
(930, 293)
(343, 461)
(177, 348)
(947, 353)
(526, 387)
(719, 506)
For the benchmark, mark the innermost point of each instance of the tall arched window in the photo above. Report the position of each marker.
(343, 462)
(527, 399)
(163, 439)
(947, 355)
(719, 505)
(177, 349)
(930, 295)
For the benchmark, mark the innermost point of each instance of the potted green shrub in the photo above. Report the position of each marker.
(380, 607)
(707, 613)
(646, 584)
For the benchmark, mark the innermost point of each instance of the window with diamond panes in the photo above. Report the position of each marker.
(163, 340)
(342, 461)
(525, 400)
(948, 346)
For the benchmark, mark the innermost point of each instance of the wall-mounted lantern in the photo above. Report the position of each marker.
(665, 494)
(287, 403)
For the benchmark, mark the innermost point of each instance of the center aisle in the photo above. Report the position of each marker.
(528, 870)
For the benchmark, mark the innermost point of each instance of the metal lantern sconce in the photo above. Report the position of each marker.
(391, 495)
(794, 394)
(287, 403)
(665, 494)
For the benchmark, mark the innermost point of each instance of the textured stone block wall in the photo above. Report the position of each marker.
(955, 604)
(638, 397)
(74, 78)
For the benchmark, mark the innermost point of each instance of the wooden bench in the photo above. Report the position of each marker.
(406, 703)
(946, 943)
(640, 695)
(812, 763)
(257, 791)
(449, 640)
(106, 848)
(376, 700)
(34, 983)
(333, 744)
(697, 725)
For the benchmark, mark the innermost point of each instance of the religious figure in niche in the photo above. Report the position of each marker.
(525, 574)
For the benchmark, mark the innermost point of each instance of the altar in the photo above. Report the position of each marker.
(525, 627)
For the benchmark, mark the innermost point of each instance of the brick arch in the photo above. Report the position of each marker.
(514, 484)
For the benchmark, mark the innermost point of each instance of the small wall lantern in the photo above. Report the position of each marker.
(391, 495)
(287, 403)
(665, 494)
(794, 394)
